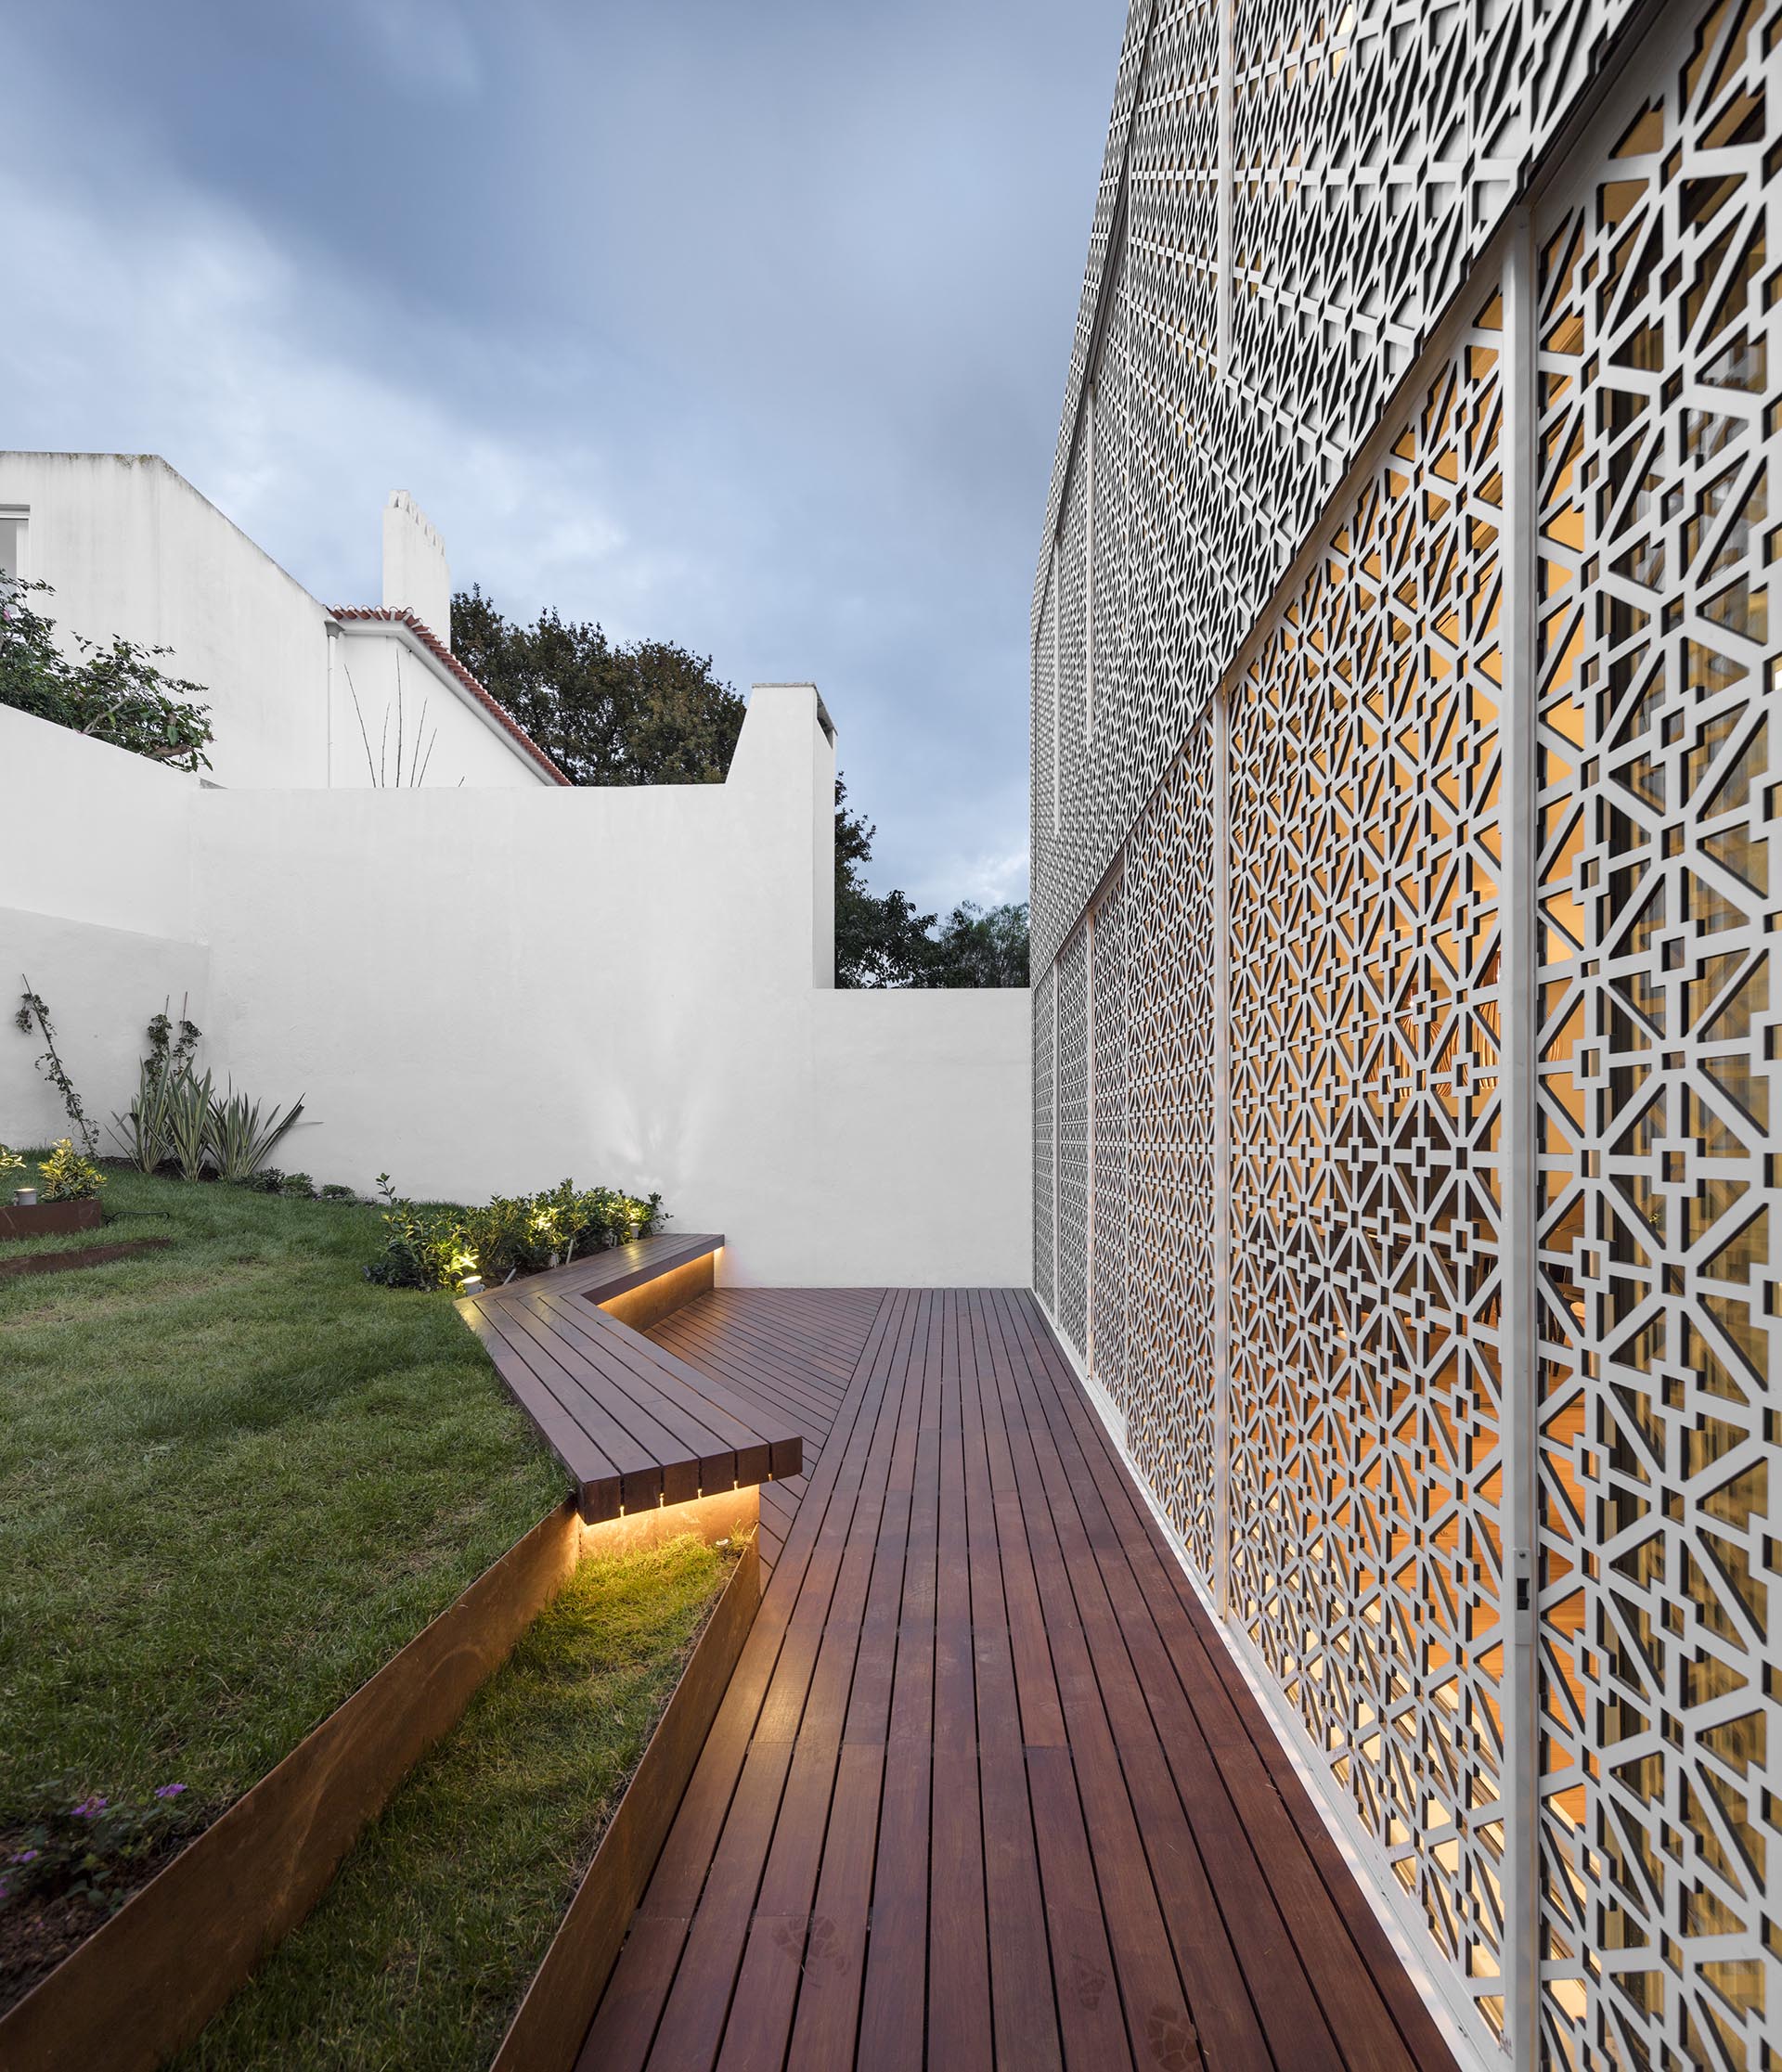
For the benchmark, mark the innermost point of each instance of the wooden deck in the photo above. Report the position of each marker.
(985, 1788)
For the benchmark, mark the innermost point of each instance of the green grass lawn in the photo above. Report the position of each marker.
(422, 1948)
(234, 1479)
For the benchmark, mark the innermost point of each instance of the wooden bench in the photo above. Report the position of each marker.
(635, 1426)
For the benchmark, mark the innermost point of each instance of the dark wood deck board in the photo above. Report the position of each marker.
(987, 1788)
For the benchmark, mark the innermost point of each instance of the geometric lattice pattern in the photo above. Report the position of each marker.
(1108, 1184)
(1373, 149)
(1351, 516)
(1170, 1396)
(1659, 355)
(1044, 1177)
(1366, 1156)
(1071, 1067)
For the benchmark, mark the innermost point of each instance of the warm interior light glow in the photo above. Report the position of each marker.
(724, 1514)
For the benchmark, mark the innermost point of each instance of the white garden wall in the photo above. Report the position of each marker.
(489, 989)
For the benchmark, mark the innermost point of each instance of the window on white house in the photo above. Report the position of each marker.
(12, 543)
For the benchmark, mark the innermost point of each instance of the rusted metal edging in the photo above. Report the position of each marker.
(143, 1985)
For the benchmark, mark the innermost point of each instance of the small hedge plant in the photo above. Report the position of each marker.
(67, 1177)
(439, 1246)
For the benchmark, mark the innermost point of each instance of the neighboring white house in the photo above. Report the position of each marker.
(302, 695)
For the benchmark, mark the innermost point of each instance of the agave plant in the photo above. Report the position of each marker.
(240, 1142)
(189, 1102)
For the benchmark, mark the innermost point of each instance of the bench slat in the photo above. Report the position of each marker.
(601, 1275)
(785, 1445)
(635, 1425)
(541, 1383)
(590, 1364)
(706, 1422)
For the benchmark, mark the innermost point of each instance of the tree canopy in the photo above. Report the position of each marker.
(647, 712)
(882, 940)
(980, 946)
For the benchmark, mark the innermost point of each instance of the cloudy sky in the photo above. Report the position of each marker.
(739, 325)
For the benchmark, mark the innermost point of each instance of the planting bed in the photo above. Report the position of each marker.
(49, 1219)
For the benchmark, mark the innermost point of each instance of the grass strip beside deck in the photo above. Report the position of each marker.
(423, 1946)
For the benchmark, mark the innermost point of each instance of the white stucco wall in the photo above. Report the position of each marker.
(133, 550)
(481, 990)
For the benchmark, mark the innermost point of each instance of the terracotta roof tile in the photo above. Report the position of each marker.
(400, 616)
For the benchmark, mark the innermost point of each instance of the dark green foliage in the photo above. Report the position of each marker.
(437, 1244)
(115, 693)
(882, 940)
(650, 713)
(879, 939)
(981, 947)
(267, 1180)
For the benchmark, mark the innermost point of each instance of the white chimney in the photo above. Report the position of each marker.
(414, 576)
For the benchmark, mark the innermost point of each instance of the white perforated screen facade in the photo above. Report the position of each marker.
(1405, 1139)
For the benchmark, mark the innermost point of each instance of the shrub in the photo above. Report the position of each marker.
(299, 1186)
(10, 1162)
(68, 1176)
(332, 1190)
(117, 693)
(269, 1181)
(426, 1247)
(179, 1116)
(188, 1123)
(436, 1246)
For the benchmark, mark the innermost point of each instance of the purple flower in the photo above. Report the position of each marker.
(24, 1855)
(89, 1807)
(168, 1791)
